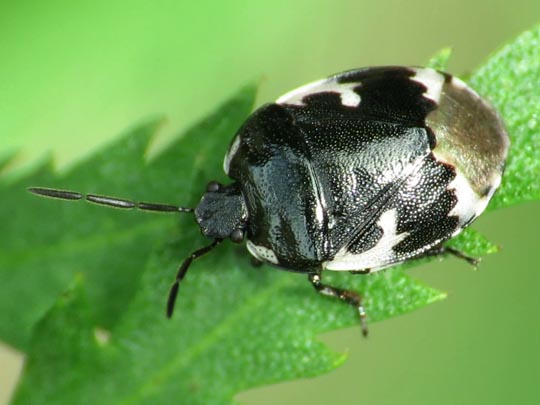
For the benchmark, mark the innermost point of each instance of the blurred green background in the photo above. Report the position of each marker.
(75, 74)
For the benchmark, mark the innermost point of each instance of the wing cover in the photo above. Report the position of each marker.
(371, 158)
(329, 159)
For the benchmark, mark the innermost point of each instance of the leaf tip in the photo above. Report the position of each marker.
(7, 159)
(73, 291)
(440, 60)
(438, 296)
(340, 359)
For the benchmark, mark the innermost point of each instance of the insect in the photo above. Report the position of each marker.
(357, 172)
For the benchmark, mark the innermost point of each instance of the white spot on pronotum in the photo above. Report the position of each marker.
(262, 253)
(379, 255)
(349, 97)
(319, 212)
(432, 80)
(320, 201)
(230, 154)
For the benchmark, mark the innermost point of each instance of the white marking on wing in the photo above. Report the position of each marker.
(262, 253)
(349, 97)
(432, 80)
(378, 256)
(469, 204)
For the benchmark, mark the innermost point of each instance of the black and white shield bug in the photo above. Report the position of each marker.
(357, 172)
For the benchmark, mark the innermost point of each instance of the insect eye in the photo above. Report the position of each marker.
(237, 235)
(213, 186)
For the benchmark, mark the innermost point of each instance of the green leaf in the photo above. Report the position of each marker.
(6, 159)
(45, 242)
(440, 60)
(67, 324)
(510, 80)
(235, 326)
(473, 243)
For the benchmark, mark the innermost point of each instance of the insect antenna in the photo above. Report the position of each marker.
(182, 270)
(106, 200)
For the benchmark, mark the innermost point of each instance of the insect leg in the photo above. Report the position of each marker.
(447, 250)
(350, 297)
(182, 270)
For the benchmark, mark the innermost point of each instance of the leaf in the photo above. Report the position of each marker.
(510, 80)
(44, 243)
(67, 324)
(6, 159)
(440, 60)
(254, 326)
(235, 326)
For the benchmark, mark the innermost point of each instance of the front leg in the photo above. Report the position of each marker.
(350, 297)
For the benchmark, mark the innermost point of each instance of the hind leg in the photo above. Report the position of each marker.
(350, 297)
